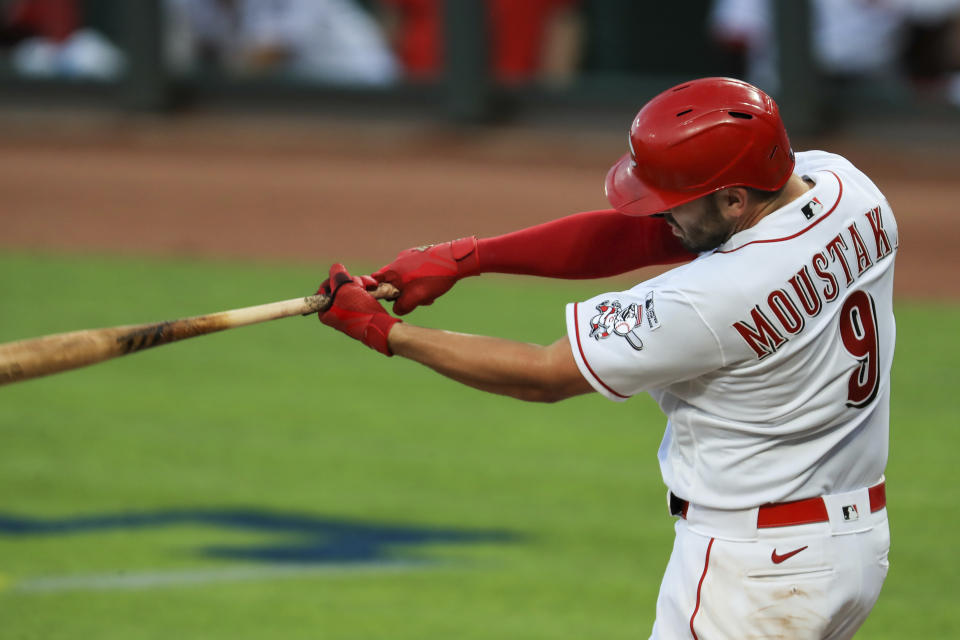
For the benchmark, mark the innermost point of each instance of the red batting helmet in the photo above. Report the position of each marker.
(697, 138)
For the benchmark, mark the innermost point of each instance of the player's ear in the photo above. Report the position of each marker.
(732, 201)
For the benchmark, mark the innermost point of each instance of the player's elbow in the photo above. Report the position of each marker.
(540, 394)
(552, 390)
(558, 376)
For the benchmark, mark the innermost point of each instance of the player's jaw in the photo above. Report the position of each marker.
(700, 225)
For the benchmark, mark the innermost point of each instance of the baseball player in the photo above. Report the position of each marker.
(769, 353)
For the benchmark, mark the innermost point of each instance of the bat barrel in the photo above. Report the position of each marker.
(37, 357)
(42, 356)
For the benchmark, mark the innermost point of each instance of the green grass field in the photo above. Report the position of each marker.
(215, 488)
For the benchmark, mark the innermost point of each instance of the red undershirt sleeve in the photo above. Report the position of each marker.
(593, 244)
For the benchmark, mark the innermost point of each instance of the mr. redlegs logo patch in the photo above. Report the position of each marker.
(614, 319)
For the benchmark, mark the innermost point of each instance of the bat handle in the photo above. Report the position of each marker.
(321, 302)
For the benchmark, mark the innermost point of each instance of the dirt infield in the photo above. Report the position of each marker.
(318, 191)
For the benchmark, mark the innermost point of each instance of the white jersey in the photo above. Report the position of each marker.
(770, 355)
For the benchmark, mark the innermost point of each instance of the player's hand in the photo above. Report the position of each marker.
(354, 311)
(423, 274)
(365, 282)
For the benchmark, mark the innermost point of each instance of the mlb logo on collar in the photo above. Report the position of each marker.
(812, 208)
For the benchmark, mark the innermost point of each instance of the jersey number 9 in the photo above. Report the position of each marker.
(858, 330)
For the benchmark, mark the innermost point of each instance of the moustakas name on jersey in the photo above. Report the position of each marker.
(770, 355)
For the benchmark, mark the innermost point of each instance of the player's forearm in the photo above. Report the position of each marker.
(526, 371)
(592, 244)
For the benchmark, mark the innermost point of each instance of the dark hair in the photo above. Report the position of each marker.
(765, 196)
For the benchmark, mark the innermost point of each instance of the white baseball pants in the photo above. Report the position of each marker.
(728, 580)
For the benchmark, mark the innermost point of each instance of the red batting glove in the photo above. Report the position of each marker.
(365, 282)
(354, 311)
(423, 274)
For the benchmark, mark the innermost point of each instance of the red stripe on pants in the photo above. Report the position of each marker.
(706, 565)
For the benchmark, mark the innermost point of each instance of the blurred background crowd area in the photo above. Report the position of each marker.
(488, 59)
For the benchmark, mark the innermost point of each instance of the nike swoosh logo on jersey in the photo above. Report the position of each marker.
(777, 558)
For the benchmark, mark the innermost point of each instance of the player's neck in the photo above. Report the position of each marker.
(794, 189)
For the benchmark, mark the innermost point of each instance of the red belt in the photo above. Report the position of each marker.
(787, 514)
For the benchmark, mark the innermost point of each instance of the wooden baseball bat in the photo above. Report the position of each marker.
(42, 356)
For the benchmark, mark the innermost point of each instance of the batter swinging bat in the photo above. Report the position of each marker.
(64, 351)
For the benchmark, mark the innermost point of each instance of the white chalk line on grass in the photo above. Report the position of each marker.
(127, 581)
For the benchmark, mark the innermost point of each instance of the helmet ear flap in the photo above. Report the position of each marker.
(697, 138)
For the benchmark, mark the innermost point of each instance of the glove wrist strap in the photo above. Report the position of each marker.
(465, 252)
(377, 332)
